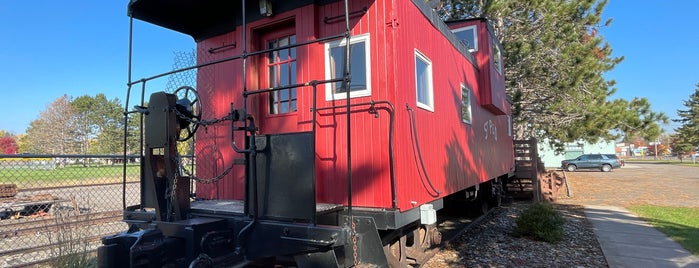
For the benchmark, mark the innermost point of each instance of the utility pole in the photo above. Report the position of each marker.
(657, 140)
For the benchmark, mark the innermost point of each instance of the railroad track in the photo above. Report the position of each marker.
(55, 235)
(51, 223)
(451, 228)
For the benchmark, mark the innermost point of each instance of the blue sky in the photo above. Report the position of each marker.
(77, 48)
(660, 45)
(80, 47)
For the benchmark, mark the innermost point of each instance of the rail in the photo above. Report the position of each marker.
(61, 203)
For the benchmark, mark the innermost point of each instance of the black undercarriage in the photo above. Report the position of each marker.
(170, 230)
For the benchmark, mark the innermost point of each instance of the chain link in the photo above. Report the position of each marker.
(210, 180)
(203, 122)
(171, 192)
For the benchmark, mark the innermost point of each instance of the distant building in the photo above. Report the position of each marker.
(622, 150)
(572, 150)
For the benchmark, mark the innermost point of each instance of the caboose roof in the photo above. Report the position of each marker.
(202, 19)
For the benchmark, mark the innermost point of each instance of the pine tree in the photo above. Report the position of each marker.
(687, 135)
(554, 66)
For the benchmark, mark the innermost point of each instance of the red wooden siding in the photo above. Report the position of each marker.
(494, 100)
(370, 165)
(456, 155)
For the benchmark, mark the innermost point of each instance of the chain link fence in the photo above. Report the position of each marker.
(55, 208)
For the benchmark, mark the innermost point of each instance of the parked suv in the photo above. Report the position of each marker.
(602, 162)
(613, 156)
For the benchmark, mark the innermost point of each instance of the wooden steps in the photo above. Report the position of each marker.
(528, 168)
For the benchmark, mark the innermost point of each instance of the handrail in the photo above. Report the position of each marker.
(245, 55)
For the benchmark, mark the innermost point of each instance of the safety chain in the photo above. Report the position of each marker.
(171, 191)
(203, 122)
(206, 181)
(354, 241)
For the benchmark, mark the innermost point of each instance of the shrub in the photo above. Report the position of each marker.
(540, 221)
(73, 245)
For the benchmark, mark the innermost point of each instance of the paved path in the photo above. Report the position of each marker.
(628, 241)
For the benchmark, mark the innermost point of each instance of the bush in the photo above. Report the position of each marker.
(540, 221)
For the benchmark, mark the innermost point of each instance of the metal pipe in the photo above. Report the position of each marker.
(391, 154)
(141, 135)
(313, 148)
(111, 156)
(419, 154)
(126, 114)
(252, 150)
(254, 53)
(348, 78)
(245, 111)
(311, 83)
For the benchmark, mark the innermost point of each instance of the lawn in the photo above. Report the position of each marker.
(70, 175)
(680, 224)
(670, 161)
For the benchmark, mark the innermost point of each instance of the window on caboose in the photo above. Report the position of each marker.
(465, 104)
(360, 84)
(423, 82)
(509, 126)
(468, 36)
(281, 67)
(497, 56)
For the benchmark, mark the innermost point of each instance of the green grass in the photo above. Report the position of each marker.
(680, 224)
(70, 175)
(673, 161)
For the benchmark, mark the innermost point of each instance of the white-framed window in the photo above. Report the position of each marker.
(497, 56)
(509, 126)
(360, 85)
(423, 82)
(465, 104)
(468, 35)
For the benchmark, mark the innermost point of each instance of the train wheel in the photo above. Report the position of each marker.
(490, 195)
(497, 193)
(411, 249)
(423, 241)
(485, 205)
(429, 236)
(396, 253)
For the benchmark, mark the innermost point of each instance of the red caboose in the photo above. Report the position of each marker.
(412, 115)
(413, 83)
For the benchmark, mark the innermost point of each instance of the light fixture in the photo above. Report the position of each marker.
(266, 8)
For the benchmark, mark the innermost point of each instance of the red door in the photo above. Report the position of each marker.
(279, 109)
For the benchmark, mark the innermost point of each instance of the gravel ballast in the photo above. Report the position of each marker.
(493, 243)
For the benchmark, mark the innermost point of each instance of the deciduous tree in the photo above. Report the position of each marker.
(99, 126)
(8, 143)
(54, 131)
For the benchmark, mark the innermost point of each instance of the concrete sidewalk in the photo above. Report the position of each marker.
(628, 241)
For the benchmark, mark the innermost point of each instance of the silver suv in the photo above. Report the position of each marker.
(602, 162)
